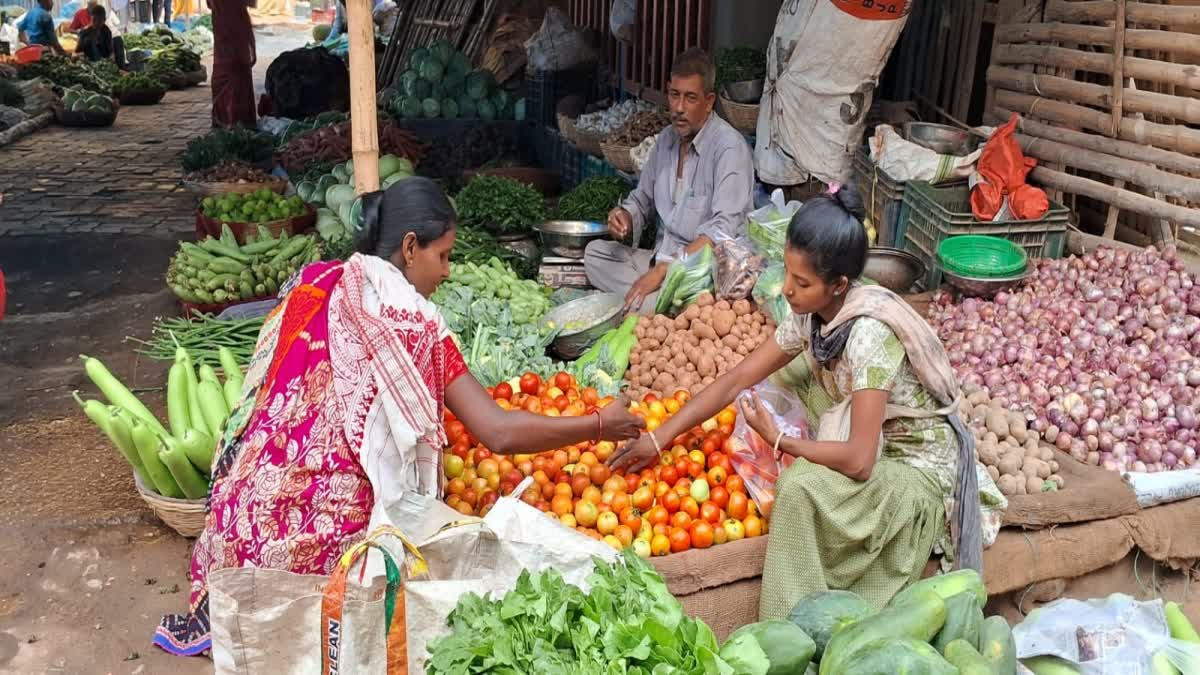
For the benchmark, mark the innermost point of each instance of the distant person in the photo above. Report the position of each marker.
(37, 27)
(96, 42)
(161, 9)
(233, 63)
(83, 17)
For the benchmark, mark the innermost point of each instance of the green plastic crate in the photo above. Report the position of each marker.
(932, 213)
(883, 197)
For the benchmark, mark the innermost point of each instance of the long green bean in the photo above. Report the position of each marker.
(202, 338)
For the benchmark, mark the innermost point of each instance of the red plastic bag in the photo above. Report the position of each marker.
(1002, 170)
(753, 458)
(3, 295)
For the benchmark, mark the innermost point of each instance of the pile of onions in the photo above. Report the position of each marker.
(1099, 351)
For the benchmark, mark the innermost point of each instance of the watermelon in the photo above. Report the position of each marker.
(787, 648)
(820, 614)
(896, 656)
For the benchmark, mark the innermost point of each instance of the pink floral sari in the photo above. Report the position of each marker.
(350, 350)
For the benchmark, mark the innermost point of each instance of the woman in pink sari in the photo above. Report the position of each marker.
(342, 409)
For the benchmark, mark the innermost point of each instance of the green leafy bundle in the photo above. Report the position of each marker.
(500, 204)
(627, 623)
(736, 64)
(96, 76)
(477, 246)
(223, 145)
(137, 82)
(592, 199)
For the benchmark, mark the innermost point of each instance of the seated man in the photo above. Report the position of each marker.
(37, 27)
(697, 182)
(83, 17)
(96, 41)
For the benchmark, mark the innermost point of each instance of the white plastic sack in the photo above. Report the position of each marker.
(557, 45)
(486, 556)
(1116, 634)
(904, 160)
(822, 65)
(622, 19)
(767, 226)
(1164, 487)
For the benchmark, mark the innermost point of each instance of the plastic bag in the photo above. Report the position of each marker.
(768, 293)
(755, 458)
(998, 189)
(1116, 634)
(738, 267)
(768, 225)
(688, 276)
(557, 45)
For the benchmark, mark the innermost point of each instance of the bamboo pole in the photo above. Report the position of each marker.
(1127, 170)
(1110, 146)
(1073, 91)
(1153, 40)
(1118, 73)
(1175, 17)
(1123, 199)
(364, 125)
(1110, 221)
(1093, 62)
(1176, 138)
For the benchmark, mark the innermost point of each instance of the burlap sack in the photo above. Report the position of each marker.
(719, 585)
(1092, 493)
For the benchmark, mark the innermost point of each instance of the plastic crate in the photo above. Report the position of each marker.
(543, 91)
(883, 197)
(931, 214)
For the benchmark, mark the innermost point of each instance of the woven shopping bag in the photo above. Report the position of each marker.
(273, 621)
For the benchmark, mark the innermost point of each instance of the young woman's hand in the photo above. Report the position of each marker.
(618, 423)
(755, 412)
(634, 455)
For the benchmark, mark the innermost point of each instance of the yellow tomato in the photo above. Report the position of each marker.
(726, 416)
(657, 409)
(672, 406)
(697, 457)
(551, 412)
(505, 405)
(653, 423)
(553, 393)
(568, 519)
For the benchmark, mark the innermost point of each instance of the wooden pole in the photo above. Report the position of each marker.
(364, 125)
(1122, 199)
(1100, 96)
(1172, 137)
(1135, 39)
(1093, 62)
(1110, 146)
(1175, 17)
(1118, 72)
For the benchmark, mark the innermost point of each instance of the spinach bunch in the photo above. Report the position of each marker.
(735, 64)
(477, 246)
(502, 205)
(592, 199)
(628, 622)
(223, 145)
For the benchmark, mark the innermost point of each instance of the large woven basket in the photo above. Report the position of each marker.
(619, 156)
(589, 142)
(277, 185)
(743, 117)
(211, 227)
(185, 516)
(566, 127)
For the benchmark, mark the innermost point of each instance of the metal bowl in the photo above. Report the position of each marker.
(746, 91)
(568, 238)
(893, 269)
(980, 287)
(942, 139)
(582, 322)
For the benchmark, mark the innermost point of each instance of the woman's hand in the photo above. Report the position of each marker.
(634, 455)
(618, 424)
(760, 419)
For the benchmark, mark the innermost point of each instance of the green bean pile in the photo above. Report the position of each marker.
(202, 338)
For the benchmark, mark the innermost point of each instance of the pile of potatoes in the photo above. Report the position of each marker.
(693, 349)
(1014, 455)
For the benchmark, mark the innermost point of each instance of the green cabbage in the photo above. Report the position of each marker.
(449, 108)
(431, 108)
(486, 110)
(466, 107)
(432, 71)
(443, 51)
(479, 84)
(417, 57)
(408, 82)
(459, 64)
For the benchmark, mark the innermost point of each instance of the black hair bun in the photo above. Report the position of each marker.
(366, 239)
(849, 198)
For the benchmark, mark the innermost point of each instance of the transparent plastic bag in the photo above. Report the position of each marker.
(738, 267)
(753, 457)
(688, 276)
(768, 225)
(768, 293)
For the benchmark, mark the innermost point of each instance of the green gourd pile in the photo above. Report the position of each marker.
(217, 271)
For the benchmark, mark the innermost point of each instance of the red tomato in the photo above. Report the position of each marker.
(503, 392)
(702, 534)
(680, 541)
(671, 502)
(739, 505)
(735, 483)
(563, 380)
(530, 383)
(681, 520)
(456, 431)
(590, 396)
(689, 506)
(710, 512)
(719, 497)
(669, 474)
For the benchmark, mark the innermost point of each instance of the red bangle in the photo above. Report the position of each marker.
(599, 426)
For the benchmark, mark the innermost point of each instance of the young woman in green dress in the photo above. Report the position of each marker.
(869, 499)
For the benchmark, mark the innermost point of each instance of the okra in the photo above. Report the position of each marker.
(226, 266)
(260, 247)
(293, 247)
(148, 444)
(219, 281)
(215, 247)
(193, 485)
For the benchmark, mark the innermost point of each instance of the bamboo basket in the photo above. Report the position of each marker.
(589, 142)
(743, 117)
(277, 185)
(211, 227)
(185, 516)
(619, 156)
(566, 127)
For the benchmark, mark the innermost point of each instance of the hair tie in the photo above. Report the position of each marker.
(833, 189)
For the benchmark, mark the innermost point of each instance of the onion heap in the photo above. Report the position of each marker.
(1100, 352)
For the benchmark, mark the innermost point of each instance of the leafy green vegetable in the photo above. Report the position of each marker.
(477, 246)
(499, 204)
(628, 622)
(736, 64)
(593, 199)
(431, 71)
(223, 145)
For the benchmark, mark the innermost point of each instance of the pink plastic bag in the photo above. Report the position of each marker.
(753, 458)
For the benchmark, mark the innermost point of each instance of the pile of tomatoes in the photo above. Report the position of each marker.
(691, 498)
